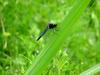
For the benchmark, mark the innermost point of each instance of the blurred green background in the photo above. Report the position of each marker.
(21, 22)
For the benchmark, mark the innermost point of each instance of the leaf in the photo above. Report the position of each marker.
(93, 70)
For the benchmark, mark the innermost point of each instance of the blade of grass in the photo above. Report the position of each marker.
(53, 46)
(93, 70)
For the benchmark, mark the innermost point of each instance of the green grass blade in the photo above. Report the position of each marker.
(93, 70)
(67, 28)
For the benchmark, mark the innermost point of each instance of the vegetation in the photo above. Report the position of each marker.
(73, 48)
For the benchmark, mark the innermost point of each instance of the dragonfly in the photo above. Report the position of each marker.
(49, 26)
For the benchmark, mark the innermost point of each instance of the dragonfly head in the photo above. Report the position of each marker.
(52, 26)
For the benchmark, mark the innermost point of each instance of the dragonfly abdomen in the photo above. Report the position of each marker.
(42, 33)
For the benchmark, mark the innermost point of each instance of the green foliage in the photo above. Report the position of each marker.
(56, 41)
(77, 42)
